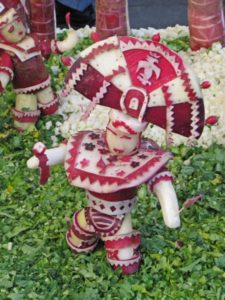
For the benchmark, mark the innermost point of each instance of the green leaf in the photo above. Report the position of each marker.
(220, 262)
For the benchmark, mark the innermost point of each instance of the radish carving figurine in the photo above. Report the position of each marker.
(111, 164)
(206, 23)
(42, 18)
(112, 18)
(22, 63)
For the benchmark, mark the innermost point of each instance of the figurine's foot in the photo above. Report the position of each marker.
(82, 246)
(122, 252)
(129, 266)
(81, 239)
(49, 108)
(24, 119)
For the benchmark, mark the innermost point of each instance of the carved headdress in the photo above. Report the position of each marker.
(142, 78)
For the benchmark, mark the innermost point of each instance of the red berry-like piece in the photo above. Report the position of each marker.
(156, 37)
(212, 120)
(95, 37)
(205, 84)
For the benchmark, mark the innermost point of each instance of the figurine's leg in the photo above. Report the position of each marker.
(25, 113)
(81, 237)
(47, 101)
(122, 248)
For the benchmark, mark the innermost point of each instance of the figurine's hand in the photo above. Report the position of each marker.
(168, 199)
(69, 42)
(4, 79)
(53, 156)
(44, 158)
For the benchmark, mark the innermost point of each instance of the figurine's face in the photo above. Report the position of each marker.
(15, 31)
(119, 142)
(123, 133)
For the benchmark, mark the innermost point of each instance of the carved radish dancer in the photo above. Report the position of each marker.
(111, 164)
(206, 23)
(21, 62)
(112, 18)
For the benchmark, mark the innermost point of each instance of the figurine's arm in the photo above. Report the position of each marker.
(54, 156)
(161, 186)
(6, 70)
(68, 43)
(43, 158)
(54, 46)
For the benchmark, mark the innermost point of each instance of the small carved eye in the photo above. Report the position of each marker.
(11, 29)
(134, 103)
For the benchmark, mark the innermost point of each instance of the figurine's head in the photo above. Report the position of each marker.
(123, 133)
(12, 29)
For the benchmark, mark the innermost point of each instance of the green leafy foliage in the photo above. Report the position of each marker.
(36, 262)
(179, 44)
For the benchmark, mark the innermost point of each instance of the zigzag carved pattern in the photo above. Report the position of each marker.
(74, 77)
(78, 74)
(76, 140)
(114, 73)
(187, 85)
(102, 91)
(167, 95)
(96, 100)
(194, 120)
(169, 125)
(97, 50)
(169, 114)
(102, 180)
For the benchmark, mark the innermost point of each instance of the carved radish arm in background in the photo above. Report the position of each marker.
(56, 46)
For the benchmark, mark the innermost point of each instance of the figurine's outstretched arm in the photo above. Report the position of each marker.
(54, 46)
(161, 186)
(43, 158)
(54, 156)
(71, 39)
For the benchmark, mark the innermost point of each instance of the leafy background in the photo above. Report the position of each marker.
(35, 261)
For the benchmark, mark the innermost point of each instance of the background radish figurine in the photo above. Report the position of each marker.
(22, 63)
(111, 18)
(111, 164)
(42, 18)
(206, 23)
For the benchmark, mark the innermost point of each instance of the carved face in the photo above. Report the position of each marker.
(15, 31)
(120, 143)
(123, 133)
